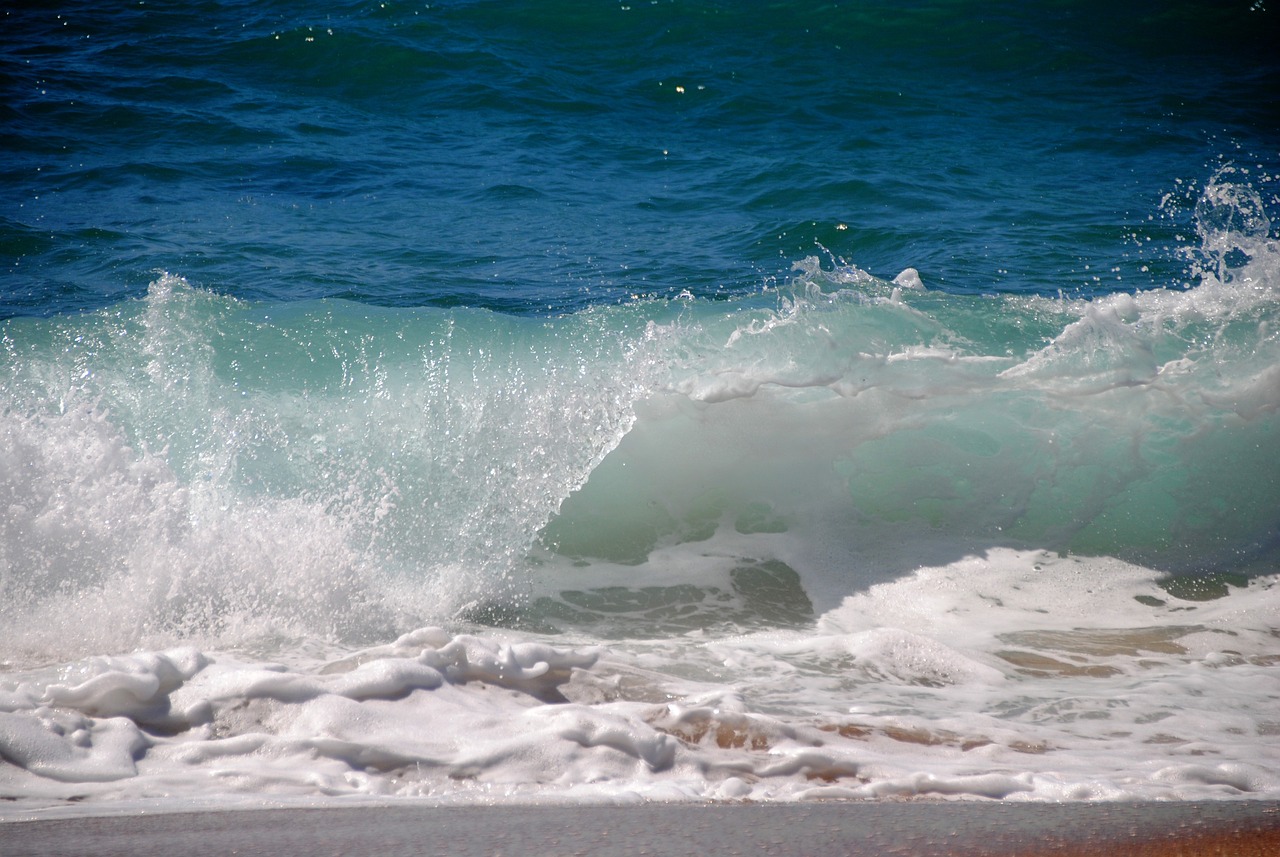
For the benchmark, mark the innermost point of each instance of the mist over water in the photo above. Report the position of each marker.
(668, 402)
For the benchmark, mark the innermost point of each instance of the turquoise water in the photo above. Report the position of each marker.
(708, 373)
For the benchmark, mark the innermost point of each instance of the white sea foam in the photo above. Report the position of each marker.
(955, 681)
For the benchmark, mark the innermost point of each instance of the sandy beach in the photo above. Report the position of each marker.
(911, 829)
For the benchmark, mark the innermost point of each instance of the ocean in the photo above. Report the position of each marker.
(650, 400)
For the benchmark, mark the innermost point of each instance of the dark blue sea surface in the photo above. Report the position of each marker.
(543, 157)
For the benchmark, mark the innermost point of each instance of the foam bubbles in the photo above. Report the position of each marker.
(1232, 222)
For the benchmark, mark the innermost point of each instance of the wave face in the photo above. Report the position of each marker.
(426, 453)
(463, 405)
(211, 465)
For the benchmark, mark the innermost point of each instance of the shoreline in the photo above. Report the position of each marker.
(1235, 828)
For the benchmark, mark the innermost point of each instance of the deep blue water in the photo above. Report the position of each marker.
(542, 157)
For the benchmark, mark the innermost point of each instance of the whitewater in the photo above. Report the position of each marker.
(848, 536)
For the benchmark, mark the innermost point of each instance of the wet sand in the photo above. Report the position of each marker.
(911, 829)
